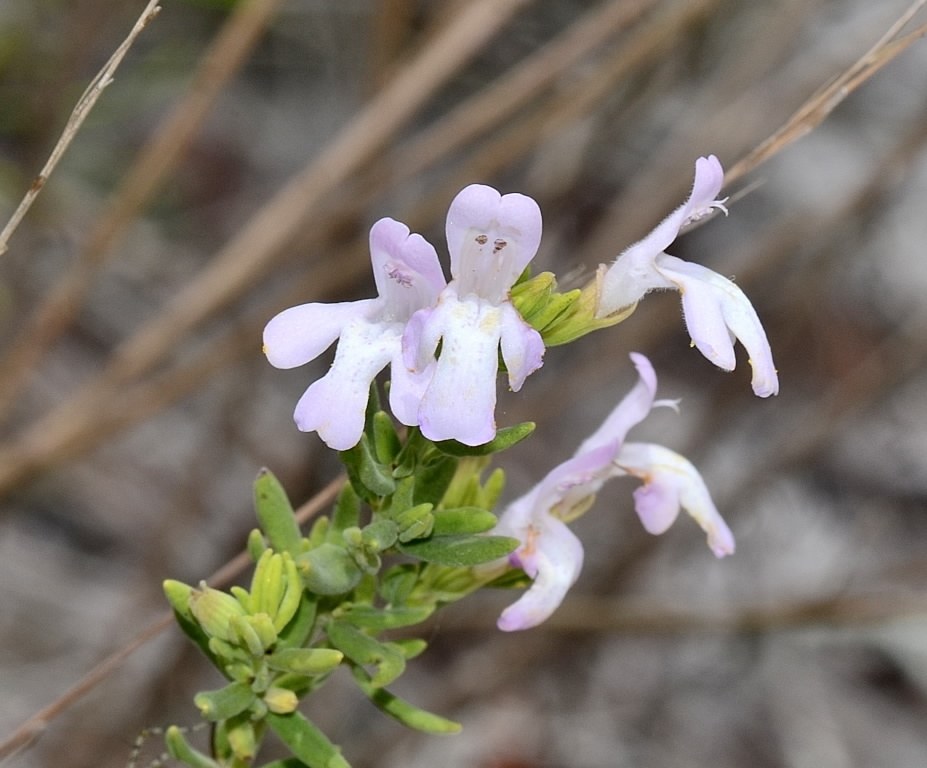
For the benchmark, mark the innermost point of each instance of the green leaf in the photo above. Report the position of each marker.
(305, 661)
(460, 551)
(406, 713)
(225, 702)
(328, 570)
(306, 741)
(180, 749)
(411, 646)
(362, 649)
(297, 631)
(385, 440)
(505, 438)
(378, 619)
(432, 479)
(371, 479)
(346, 513)
(463, 520)
(275, 514)
(398, 582)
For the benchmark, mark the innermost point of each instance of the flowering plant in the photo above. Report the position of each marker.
(415, 526)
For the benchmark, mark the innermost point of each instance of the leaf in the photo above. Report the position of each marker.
(362, 649)
(463, 520)
(328, 570)
(305, 661)
(371, 479)
(432, 478)
(180, 749)
(505, 438)
(306, 741)
(297, 631)
(385, 440)
(406, 713)
(275, 513)
(460, 551)
(378, 619)
(224, 702)
(346, 513)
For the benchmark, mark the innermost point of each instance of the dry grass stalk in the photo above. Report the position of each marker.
(155, 162)
(86, 103)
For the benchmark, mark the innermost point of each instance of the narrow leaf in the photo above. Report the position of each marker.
(306, 741)
(275, 513)
(460, 551)
(225, 702)
(378, 619)
(362, 649)
(505, 438)
(463, 520)
(180, 749)
(406, 713)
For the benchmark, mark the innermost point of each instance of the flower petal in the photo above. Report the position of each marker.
(553, 556)
(632, 409)
(522, 346)
(491, 238)
(300, 334)
(461, 398)
(717, 309)
(406, 269)
(335, 405)
(406, 389)
(671, 482)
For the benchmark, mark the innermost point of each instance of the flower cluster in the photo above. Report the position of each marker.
(550, 553)
(443, 342)
(491, 238)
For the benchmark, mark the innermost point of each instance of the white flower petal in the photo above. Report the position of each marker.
(300, 334)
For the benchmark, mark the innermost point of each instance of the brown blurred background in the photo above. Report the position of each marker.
(137, 407)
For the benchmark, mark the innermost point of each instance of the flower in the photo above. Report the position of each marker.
(716, 310)
(408, 277)
(491, 238)
(549, 551)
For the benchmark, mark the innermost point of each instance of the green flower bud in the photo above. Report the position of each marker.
(281, 701)
(263, 625)
(579, 318)
(242, 740)
(292, 594)
(246, 635)
(214, 610)
(415, 523)
(267, 585)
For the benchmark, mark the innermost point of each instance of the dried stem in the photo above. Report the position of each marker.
(86, 103)
(816, 109)
(33, 727)
(155, 162)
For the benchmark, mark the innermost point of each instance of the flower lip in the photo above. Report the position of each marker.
(491, 238)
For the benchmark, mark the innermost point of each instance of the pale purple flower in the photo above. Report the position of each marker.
(490, 238)
(716, 310)
(408, 277)
(550, 553)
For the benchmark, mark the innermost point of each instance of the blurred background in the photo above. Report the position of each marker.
(234, 167)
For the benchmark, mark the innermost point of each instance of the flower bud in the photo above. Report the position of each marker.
(281, 701)
(214, 611)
